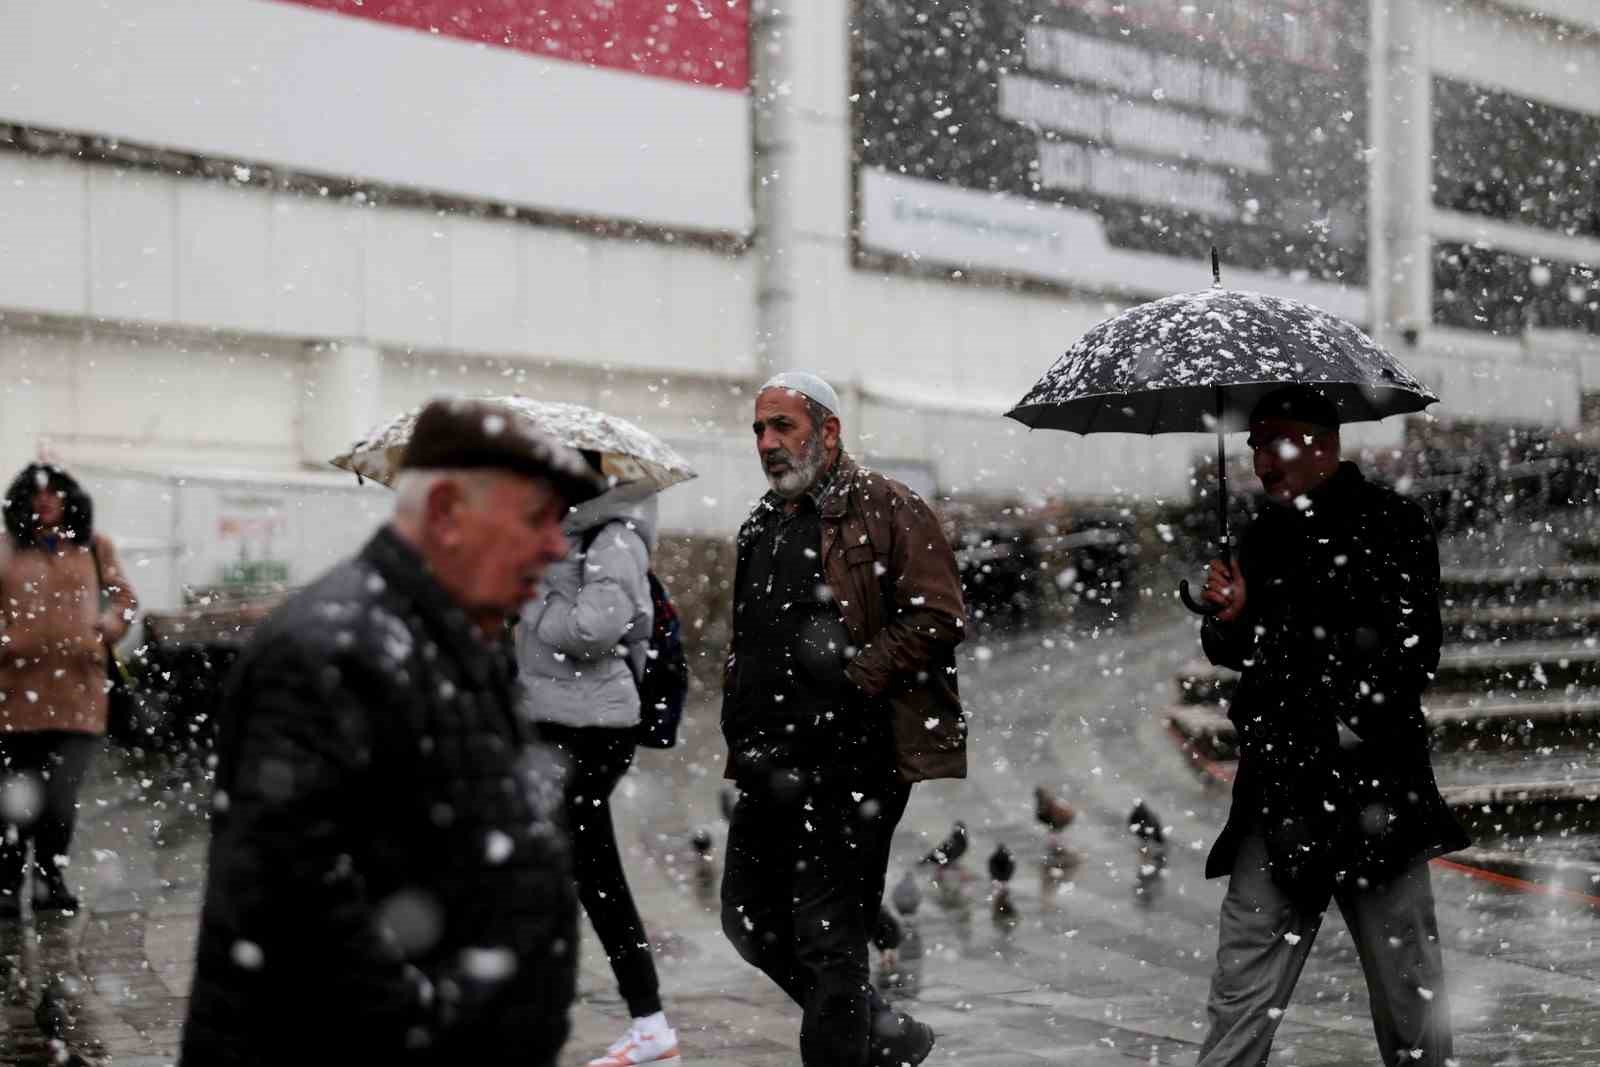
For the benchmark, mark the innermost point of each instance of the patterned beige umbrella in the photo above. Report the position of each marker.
(628, 454)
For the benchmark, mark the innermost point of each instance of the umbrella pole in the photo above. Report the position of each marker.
(1222, 486)
(1198, 607)
(1222, 455)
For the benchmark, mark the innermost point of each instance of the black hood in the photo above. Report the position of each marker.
(78, 521)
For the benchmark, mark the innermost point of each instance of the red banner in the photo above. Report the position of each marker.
(703, 42)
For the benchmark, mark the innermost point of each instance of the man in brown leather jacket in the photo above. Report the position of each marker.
(840, 692)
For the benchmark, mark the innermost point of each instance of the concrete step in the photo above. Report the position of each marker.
(1540, 621)
(1582, 549)
(1515, 585)
(1570, 719)
(1489, 811)
(1488, 670)
(1554, 806)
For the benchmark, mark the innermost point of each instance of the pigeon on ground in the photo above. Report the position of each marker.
(1146, 824)
(907, 896)
(1002, 865)
(951, 849)
(1056, 814)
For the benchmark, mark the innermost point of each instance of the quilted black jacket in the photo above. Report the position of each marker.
(388, 880)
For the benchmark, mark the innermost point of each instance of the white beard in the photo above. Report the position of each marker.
(803, 472)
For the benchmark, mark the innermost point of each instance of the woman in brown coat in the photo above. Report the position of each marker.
(63, 600)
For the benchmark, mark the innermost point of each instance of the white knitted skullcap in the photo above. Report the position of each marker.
(806, 384)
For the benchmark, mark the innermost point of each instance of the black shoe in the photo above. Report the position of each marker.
(52, 894)
(51, 1015)
(898, 1040)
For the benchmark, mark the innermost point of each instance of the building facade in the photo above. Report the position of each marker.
(233, 237)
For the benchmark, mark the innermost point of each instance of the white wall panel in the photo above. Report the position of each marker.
(408, 279)
(628, 305)
(556, 268)
(317, 267)
(716, 503)
(486, 309)
(133, 262)
(124, 398)
(37, 377)
(1483, 377)
(207, 255)
(190, 395)
(44, 241)
(1488, 46)
(705, 316)
(225, 253)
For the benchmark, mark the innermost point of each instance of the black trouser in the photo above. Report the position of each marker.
(599, 756)
(806, 864)
(53, 762)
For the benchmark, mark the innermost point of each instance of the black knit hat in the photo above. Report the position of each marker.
(456, 433)
(1298, 403)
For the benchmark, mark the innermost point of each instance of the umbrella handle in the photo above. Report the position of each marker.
(1194, 605)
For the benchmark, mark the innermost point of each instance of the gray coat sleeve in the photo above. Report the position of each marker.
(597, 603)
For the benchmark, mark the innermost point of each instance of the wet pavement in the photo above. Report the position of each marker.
(1089, 972)
(118, 972)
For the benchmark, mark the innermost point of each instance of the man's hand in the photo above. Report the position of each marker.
(109, 627)
(1224, 588)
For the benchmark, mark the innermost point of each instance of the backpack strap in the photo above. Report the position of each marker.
(99, 574)
(592, 534)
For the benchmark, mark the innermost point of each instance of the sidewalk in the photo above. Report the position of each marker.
(1090, 975)
(124, 961)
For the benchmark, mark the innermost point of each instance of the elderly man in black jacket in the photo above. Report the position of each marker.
(1332, 614)
(840, 692)
(387, 884)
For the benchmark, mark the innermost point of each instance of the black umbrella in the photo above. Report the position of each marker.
(1199, 362)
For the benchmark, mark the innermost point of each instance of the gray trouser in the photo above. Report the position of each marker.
(1263, 942)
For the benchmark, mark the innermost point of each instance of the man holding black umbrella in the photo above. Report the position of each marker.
(1332, 615)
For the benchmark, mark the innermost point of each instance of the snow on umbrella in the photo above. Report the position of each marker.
(1199, 362)
(628, 455)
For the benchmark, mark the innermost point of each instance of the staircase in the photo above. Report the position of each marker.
(1513, 714)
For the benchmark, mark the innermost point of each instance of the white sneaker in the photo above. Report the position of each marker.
(659, 1046)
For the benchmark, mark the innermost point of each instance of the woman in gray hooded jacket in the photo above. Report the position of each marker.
(580, 645)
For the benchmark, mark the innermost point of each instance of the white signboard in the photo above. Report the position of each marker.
(567, 115)
(1109, 144)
